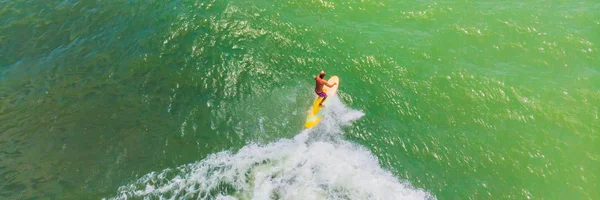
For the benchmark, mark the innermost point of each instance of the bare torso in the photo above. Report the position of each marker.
(319, 84)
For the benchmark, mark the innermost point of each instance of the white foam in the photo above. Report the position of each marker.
(309, 166)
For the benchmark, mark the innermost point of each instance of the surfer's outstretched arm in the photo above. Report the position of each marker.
(328, 85)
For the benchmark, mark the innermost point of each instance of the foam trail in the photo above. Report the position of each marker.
(298, 168)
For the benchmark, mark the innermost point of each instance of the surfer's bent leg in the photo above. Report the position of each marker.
(324, 96)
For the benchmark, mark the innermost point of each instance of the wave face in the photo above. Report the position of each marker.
(315, 164)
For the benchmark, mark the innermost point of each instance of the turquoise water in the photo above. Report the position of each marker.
(207, 99)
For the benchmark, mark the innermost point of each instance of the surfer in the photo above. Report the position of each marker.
(320, 81)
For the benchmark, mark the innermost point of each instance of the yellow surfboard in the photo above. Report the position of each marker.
(315, 114)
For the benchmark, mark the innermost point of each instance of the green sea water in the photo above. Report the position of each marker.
(207, 99)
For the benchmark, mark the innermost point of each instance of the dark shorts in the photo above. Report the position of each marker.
(322, 94)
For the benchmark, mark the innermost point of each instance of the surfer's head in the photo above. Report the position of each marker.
(322, 74)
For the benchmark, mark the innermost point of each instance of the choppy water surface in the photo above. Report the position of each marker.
(206, 99)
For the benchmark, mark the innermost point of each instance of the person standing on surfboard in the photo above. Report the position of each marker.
(320, 81)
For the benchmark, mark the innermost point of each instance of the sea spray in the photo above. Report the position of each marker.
(316, 164)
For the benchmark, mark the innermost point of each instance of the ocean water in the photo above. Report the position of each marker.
(207, 99)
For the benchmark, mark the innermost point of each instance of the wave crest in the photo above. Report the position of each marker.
(298, 168)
